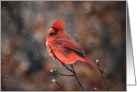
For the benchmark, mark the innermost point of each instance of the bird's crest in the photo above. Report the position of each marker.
(58, 24)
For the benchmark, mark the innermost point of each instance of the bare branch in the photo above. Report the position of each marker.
(77, 77)
(65, 74)
(106, 86)
(71, 70)
(61, 86)
(52, 70)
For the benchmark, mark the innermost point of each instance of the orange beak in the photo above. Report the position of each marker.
(52, 30)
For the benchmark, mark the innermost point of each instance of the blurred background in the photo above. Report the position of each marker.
(99, 27)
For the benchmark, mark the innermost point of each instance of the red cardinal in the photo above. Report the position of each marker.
(64, 46)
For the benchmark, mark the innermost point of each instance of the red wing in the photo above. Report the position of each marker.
(69, 45)
(72, 45)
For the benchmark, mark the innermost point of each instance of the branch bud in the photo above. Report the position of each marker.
(97, 61)
(54, 80)
(51, 70)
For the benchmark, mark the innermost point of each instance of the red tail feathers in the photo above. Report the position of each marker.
(95, 66)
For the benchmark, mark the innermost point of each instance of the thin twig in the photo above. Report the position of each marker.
(106, 86)
(61, 86)
(77, 77)
(105, 82)
(68, 69)
(53, 70)
(65, 74)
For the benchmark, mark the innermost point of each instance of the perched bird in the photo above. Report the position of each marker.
(64, 46)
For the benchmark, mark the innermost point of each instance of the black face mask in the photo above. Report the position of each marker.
(56, 31)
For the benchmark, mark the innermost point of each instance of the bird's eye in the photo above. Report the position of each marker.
(56, 29)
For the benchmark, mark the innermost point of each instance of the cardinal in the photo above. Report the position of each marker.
(65, 47)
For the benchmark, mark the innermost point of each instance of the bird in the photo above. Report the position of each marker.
(64, 47)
